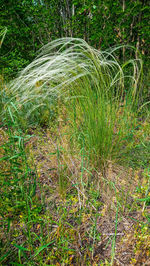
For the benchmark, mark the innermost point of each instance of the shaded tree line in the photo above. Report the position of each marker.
(102, 23)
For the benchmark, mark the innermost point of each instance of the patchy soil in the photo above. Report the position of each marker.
(117, 192)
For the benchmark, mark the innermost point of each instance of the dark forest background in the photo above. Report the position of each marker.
(102, 23)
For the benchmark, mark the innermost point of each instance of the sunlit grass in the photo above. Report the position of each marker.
(97, 91)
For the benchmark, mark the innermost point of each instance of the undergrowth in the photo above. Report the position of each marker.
(57, 209)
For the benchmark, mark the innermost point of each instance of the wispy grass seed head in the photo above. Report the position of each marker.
(92, 83)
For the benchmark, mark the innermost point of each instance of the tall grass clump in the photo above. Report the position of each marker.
(97, 91)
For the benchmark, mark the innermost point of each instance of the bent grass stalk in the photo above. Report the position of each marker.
(2, 35)
(92, 82)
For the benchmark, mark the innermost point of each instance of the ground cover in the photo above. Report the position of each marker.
(76, 215)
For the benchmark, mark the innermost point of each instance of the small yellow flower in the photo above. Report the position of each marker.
(133, 261)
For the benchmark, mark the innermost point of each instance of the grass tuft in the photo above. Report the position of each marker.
(98, 93)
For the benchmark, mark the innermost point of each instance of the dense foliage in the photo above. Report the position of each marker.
(101, 23)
